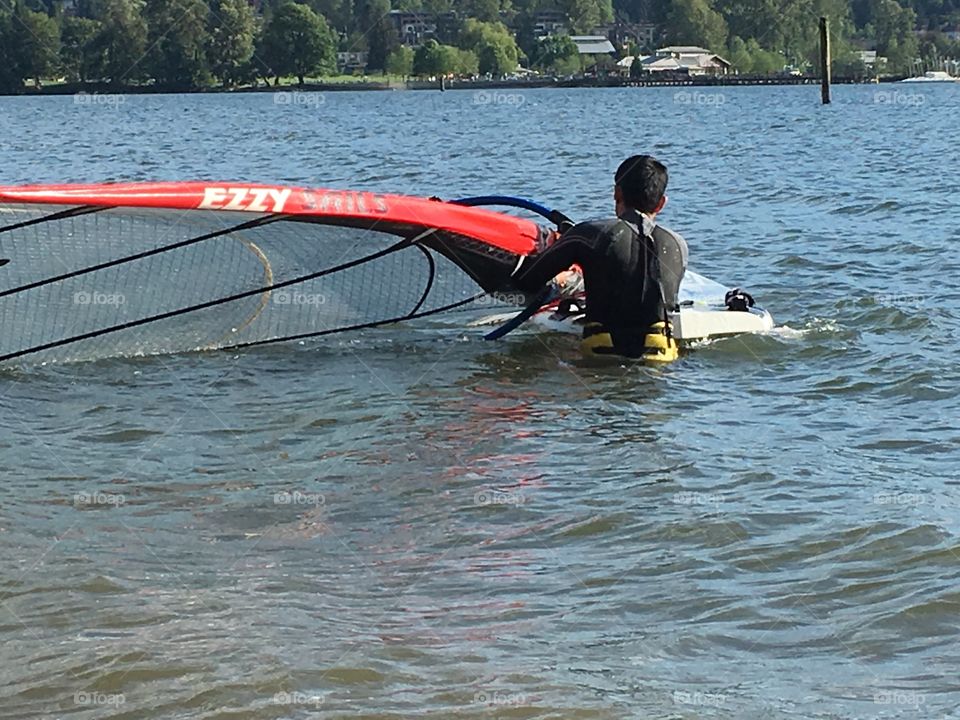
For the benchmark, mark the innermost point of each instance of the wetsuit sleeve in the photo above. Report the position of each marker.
(537, 271)
(672, 256)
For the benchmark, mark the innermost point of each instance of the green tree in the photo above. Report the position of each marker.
(122, 40)
(459, 62)
(436, 6)
(36, 39)
(341, 14)
(296, 41)
(177, 43)
(764, 62)
(432, 58)
(894, 33)
(526, 35)
(483, 10)
(232, 28)
(739, 56)
(586, 15)
(756, 19)
(429, 59)
(80, 56)
(558, 53)
(11, 78)
(380, 33)
(695, 22)
(400, 61)
(493, 44)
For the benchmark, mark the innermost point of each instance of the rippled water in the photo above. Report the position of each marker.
(412, 522)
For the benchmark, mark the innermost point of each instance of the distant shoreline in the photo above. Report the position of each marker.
(435, 85)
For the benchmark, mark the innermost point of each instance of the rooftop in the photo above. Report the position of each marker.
(684, 50)
(593, 44)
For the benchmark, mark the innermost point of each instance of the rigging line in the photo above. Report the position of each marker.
(139, 256)
(209, 303)
(361, 326)
(432, 264)
(61, 215)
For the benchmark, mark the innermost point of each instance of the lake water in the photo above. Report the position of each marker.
(411, 522)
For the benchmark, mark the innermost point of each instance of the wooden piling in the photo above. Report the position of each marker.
(824, 61)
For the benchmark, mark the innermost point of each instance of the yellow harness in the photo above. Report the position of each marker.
(659, 343)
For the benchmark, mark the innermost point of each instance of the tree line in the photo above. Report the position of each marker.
(192, 44)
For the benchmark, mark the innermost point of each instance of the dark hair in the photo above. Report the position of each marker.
(642, 179)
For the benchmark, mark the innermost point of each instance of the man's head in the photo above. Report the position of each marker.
(639, 184)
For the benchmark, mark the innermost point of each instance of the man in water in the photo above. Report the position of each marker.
(631, 268)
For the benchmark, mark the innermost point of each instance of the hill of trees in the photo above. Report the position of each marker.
(192, 44)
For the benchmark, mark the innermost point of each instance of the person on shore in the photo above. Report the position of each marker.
(631, 268)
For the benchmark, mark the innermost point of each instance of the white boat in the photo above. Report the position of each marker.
(933, 76)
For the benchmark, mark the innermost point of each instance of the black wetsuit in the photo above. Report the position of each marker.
(631, 269)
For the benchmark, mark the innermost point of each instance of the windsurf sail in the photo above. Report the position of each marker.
(131, 269)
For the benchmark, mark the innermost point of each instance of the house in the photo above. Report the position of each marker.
(593, 45)
(645, 35)
(549, 22)
(413, 28)
(349, 62)
(448, 26)
(625, 65)
(694, 61)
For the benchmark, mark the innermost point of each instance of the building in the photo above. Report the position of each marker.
(414, 28)
(694, 61)
(625, 65)
(868, 57)
(549, 22)
(350, 62)
(644, 35)
(593, 45)
(448, 27)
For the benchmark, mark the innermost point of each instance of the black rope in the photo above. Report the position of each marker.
(431, 263)
(361, 326)
(139, 256)
(61, 215)
(404, 243)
